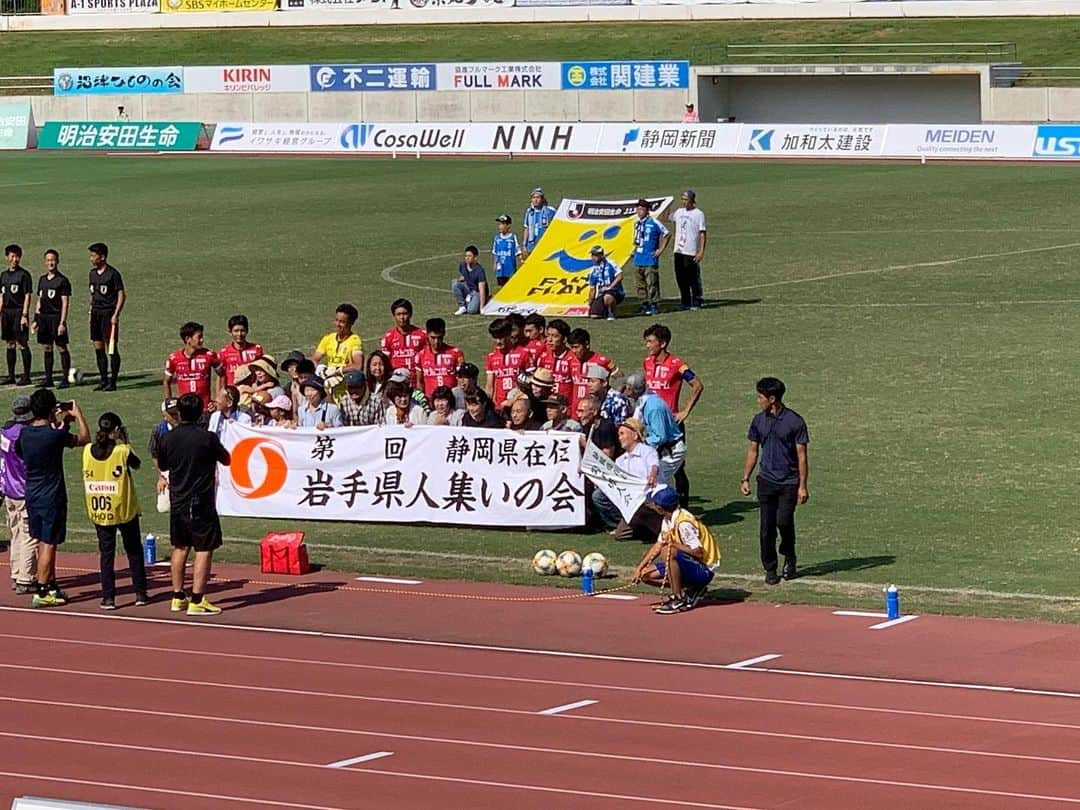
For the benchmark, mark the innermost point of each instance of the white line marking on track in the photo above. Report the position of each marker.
(890, 268)
(345, 763)
(583, 685)
(458, 645)
(567, 707)
(866, 614)
(893, 622)
(619, 597)
(749, 662)
(390, 580)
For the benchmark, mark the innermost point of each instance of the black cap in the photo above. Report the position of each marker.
(646, 203)
(504, 218)
(467, 370)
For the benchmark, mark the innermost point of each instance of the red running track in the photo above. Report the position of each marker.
(266, 705)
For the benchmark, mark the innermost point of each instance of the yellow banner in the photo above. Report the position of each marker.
(170, 6)
(554, 279)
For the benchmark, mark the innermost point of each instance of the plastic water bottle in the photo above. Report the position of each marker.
(587, 582)
(892, 602)
(150, 549)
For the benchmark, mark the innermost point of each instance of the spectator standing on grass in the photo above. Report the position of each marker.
(690, 237)
(650, 240)
(505, 250)
(41, 446)
(170, 418)
(18, 289)
(107, 299)
(470, 288)
(437, 361)
(190, 454)
(340, 351)
(50, 318)
(239, 351)
(405, 339)
(605, 286)
(190, 367)
(23, 548)
(779, 435)
(113, 506)
(538, 216)
(614, 405)
(662, 432)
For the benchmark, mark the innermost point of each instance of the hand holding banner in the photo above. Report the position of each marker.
(627, 492)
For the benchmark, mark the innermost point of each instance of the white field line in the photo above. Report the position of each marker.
(567, 707)
(390, 580)
(582, 685)
(895, 267)
(541, 750)
(893, 622)
(865, 614)
(749, 662)
(345, 763)
(456, 645)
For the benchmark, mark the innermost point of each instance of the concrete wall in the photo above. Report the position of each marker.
(848, 99)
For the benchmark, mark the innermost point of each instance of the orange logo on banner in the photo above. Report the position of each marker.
(277, 468)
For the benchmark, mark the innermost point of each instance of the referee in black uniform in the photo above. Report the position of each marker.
(106, 300)
(50, 318)
(15, 313)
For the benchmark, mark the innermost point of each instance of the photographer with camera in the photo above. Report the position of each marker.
(41, 446)
(113, 505)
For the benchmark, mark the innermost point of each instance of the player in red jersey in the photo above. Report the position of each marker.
(535, 333)
(238, 351)
(503, 364)
(562, 362)
(580, 344)
(403, 341)
(191, 367)
(437, 362)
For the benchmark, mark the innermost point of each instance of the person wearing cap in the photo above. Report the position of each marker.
(614, 405)
(650, 240)
(556, 406)
(238, 350)
(317, 411)
(170, 418)
(636, 459)
(466, 376)
(279, 411)
(538, 216)
(505, 250)
(41, 446)
(356, 397)
(113, 506)
(227, 410)
(779, 436)
(684, 555)
(436, 361)
(605, 285)
(690, 116)
(470, 287)
(342, 350)
(690, 236)
(191, 455)
(191, 367)
(405, 339)
(13, 487)
(662, 432)
(402, 376)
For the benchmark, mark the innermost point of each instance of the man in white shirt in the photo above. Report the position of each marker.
(640, 460)
(689, 248)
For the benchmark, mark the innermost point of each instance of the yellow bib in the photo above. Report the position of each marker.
(110, 492)
(710, 550)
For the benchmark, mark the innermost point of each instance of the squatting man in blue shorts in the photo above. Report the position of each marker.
(687, 542)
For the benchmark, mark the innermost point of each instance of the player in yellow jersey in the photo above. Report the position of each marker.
(340, 351)
(113, 505)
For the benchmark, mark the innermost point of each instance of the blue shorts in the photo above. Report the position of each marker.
(694, 572)
(48, 525)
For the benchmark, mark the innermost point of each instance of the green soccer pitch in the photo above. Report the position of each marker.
(923, 318)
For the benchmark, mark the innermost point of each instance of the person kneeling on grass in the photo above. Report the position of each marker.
(684, 555)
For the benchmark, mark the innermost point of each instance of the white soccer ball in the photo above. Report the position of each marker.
(568, 564)
(75, 376)
(596, 562)
(543, 562)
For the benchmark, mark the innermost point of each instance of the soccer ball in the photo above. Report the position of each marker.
(75, 376)
(568, 564)
(595, 561)
(543, 562)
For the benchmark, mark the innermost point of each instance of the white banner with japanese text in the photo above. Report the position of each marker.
(626, 491)
(395, 474)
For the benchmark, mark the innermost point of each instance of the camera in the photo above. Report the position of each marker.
(65, 406)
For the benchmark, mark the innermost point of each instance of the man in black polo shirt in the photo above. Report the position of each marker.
(18, 286)
(190, 454)
(50, 318)
(781, 437)
(107, 298)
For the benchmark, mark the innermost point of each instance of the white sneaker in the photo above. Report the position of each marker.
(459, 311)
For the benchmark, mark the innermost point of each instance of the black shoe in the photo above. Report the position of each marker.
(674, 605)
(7, 381)
(108, 604)
(24, 380)
(110, 387)
(46, 383)
(64, 384)
(771, 578)
(695, 595)
(101, 386)
(790, 571)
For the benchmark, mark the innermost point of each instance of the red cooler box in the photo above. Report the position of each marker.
(284, 553)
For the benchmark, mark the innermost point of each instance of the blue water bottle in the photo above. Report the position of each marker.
(892, 602)
(150, 549)
(587, 582)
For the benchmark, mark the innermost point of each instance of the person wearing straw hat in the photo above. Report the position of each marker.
(637, 459)
(13, 487)
(113, 506)
(257, 381)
